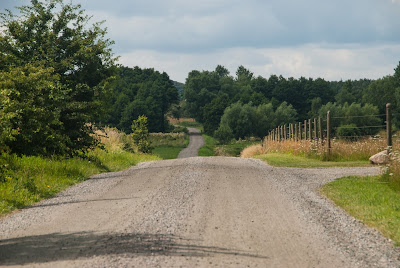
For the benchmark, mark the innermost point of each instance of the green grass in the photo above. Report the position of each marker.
(208, 148)
(235, 147)
(31, 178)
(211, 148)
(168, 145)
(289, 160)
(192, 124)
(167, 152)
(369, 199)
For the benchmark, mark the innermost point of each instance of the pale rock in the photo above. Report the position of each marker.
(381, 158)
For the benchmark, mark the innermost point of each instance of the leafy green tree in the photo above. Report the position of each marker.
(264, 122)
(243, 75)
(345, 94)
(37, 101)
(223, 134)
(213, 113)
(366, 117)
(55, 36)
(7, 114)
(285, 114)
(200, 89)
(240, 119)
(337, 114)
(140, 134)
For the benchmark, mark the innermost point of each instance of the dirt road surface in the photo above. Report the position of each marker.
(195, 212)
(195, 142)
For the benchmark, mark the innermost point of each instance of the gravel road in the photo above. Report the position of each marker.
(195, 212)
(195, 142)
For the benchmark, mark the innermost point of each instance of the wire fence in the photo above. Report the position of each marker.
(349, 127)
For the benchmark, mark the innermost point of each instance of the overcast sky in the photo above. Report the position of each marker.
(334, 40)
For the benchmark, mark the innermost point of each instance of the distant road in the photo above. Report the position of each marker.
(196, 140)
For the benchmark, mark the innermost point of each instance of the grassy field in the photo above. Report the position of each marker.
(168, 145)
(188, 123)
(211, 148)
(208, 148)
(31, 178)
(370, 199)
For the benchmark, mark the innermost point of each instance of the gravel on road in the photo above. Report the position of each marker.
(195, 212)
(196, 140)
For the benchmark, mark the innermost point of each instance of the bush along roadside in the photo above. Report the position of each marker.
(29, 179)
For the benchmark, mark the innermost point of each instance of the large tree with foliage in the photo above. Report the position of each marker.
(56, 38)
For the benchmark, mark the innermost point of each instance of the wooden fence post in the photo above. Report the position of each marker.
(320, 128)
(300, 136)
(278, 134)
(284, 132)
(389, 127)
(305, 129)
(315, 129)
(295, 133)
(309, 130)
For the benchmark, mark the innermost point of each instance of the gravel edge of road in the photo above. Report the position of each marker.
(365, 246)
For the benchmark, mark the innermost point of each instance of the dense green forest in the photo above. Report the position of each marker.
(245, 105)
(141, 92)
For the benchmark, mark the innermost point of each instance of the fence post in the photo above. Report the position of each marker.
(292, 130)
(284, 132)
(328, 131)
(315, 129)
(320, 128)
(305, 129)
(300, 136)
(295, 133)
(278, 134)
(389, 127)
(309, 130)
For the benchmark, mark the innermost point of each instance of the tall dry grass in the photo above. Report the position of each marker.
(341, 150)
(114, 140)
(175, 121)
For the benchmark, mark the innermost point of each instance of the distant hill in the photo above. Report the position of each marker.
(180, 87)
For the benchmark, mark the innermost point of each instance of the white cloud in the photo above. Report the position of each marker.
(312, 38)
(330, 63)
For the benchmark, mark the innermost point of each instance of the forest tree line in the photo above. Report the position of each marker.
(244, 105)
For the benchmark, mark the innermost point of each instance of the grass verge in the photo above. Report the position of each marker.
(289, 160)
(168, 145)
(208, 148)
(370, 199)
(211, 148)
(30, 179)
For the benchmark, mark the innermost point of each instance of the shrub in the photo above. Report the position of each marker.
(140, 134)
(223, 134)
(348, 132)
